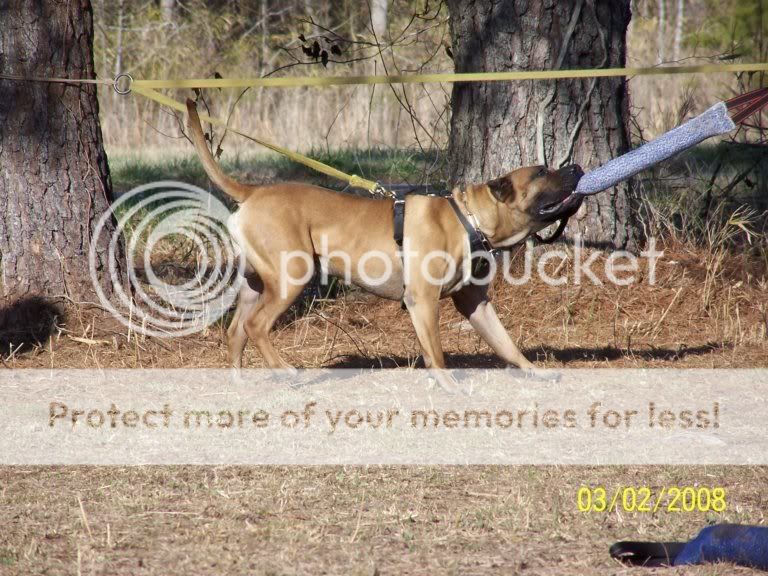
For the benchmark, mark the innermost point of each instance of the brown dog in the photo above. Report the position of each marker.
(283, 229)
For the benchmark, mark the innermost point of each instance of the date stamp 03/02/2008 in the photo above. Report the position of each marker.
(674, 499)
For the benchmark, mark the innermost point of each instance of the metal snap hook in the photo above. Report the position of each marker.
(381, 191)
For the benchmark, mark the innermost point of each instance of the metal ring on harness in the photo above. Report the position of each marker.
(129, 83)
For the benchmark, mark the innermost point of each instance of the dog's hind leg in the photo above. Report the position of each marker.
(277, 297)
(250, 291)
(472, 302)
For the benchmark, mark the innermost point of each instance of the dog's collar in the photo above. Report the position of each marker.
(478, 241)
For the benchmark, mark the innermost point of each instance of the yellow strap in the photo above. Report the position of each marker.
(55, 80)
(446, 77)
(147, 88)
(353, 180)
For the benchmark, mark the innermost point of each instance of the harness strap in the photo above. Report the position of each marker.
(477, 240)
(399, 218)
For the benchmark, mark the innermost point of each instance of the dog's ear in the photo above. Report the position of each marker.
(502, 189)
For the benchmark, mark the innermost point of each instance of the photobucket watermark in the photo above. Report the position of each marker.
(566, 265)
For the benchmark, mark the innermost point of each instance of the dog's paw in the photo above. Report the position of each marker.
(543, 375)
(443, 380)
(236, 377)
(537, 374)
(285, 375)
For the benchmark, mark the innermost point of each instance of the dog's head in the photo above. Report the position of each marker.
(527, 200)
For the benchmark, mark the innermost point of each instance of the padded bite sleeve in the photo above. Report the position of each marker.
(713, 122)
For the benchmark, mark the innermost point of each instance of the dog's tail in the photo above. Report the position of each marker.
(239, 192)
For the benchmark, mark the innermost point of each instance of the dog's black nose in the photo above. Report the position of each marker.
(574, 170)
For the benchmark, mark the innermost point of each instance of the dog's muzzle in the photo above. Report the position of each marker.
(566, 203)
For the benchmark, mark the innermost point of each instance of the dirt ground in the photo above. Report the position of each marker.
(696, 314)
(394, 520)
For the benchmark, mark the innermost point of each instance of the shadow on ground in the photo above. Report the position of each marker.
(564, 355)
(27, 322)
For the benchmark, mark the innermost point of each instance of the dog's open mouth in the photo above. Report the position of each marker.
(566, 202)
(561, 208)
(565, 205)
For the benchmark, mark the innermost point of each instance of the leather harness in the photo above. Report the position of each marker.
(478, 241)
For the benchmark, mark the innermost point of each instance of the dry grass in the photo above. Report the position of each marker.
(334, 118)
(333, 520)
(696, 315)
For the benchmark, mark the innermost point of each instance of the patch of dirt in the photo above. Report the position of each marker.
(687, 318)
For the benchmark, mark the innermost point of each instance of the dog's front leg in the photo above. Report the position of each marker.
(425, 314)
(423, 307)
(472, 302)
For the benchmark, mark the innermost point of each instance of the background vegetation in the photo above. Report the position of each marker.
(238, 38)
(400, 133)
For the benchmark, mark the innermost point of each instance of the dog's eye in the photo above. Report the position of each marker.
(542, 172)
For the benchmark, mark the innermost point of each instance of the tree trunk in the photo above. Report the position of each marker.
(168, 8)
(679, 21)
(499, 126)
(54, 183)
(379, 10)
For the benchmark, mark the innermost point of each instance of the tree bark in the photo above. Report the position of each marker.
(54, 182)
(499, 126)
(679, 21)
(168, 8)
(379, 9)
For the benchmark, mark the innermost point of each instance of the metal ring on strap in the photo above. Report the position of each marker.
(129, 83)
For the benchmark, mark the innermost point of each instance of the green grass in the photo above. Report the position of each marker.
(682, 190)
(130, 169)
(736, 155)
(709, 180)
(7, 557)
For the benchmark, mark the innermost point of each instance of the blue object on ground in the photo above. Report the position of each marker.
(736, 543)
(713, 122)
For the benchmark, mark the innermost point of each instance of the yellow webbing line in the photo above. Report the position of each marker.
(298, 81)
(148, 89)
